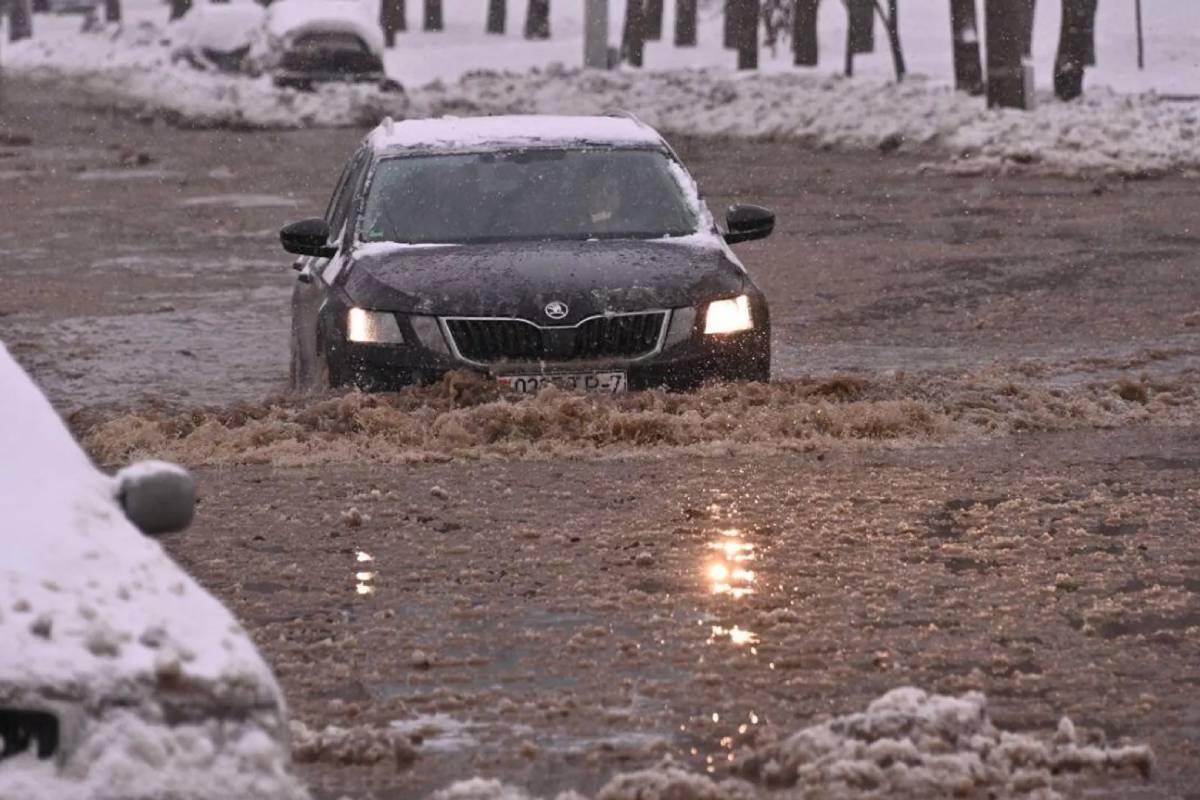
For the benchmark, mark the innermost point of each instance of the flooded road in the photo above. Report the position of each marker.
(977, 468)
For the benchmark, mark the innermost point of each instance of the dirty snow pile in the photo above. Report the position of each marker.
(356, 744)
(907, 744)
(468, 415)
(158, 690)
(1105, 132)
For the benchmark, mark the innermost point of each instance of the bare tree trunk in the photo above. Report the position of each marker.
(181, 7)
(804, 33)
(1076, 41)
(497, 16)
(685, 23)
(433, 15)
(729, 28)
(537, 20)
(1027, 8)
(392, 18)
(112, 10)
(633, 34)
(891, 23)
(861, 22)
(652, 19)
(20, 20)
(746, 19)
(1008, 83)
(964, 32)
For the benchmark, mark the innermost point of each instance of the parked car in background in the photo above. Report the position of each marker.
(120, 677)
(309, 42)
(299, 43)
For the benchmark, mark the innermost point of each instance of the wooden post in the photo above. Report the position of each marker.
(433, 15)
(964, 33)
(1076, 40)
(537, 20)
(595, 34)
(20, 20)
(746, 19)
(1027, 9)
(805, 48)
(497, 16)
(861, 22)
(652, 20)
(1141, 42)
(392, 18)
(1009, 80)
(633, 35)
(685, 23)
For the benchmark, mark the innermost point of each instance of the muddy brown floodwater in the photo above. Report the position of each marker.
(978, 468)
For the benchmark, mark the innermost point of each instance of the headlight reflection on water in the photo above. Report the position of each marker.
(364, 580)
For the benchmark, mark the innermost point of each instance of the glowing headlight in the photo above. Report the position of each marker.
(729, 316)
(373, 327)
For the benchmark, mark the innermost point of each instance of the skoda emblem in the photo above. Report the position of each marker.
(556, 309)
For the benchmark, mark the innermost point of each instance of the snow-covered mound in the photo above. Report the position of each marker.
(1105, 132)
(157, 690)
(907, 745)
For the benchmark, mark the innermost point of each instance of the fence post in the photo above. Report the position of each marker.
(595, 34)
(1009, 77)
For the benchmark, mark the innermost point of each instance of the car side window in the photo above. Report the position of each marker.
(343, 198)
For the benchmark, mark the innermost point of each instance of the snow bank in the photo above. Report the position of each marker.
(907, 744)
(1104, 133)
(154, 682)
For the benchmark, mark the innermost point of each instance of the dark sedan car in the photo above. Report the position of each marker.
(566, 250)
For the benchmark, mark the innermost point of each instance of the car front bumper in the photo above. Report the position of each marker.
(386, 367)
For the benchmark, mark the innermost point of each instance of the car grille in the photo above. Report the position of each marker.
(19, 729)
(623, 336)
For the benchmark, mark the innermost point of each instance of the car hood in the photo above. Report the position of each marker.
(520, 279)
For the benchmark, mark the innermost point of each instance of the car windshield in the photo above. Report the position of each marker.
(342, 42)
(535, 194)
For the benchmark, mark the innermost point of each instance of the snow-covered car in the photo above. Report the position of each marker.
(222, 34)
(318, 41)
(119, 676)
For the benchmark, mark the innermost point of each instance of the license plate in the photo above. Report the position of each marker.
(610, 382)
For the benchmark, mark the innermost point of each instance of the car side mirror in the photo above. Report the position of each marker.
(744, 223)
(157, 497)
(308, 237)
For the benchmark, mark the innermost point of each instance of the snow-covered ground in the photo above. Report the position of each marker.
(1130, 121)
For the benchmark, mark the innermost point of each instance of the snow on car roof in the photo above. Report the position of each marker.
(287, 17)
(510, 131)
(88, 605)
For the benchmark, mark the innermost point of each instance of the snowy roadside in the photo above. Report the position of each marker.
(1105, 133)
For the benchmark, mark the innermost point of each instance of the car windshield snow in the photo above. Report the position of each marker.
(532, 194)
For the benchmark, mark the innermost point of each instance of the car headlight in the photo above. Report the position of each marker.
(373, 327)
(729, 316)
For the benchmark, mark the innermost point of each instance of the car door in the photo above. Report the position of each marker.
(316, 274)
